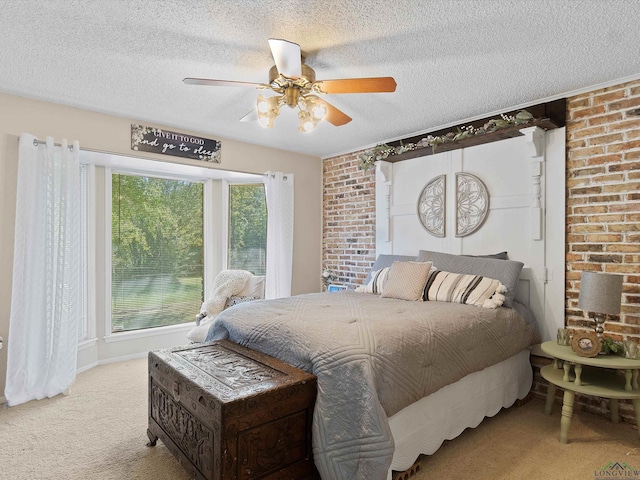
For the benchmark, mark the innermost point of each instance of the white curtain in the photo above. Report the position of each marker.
(43, 331)
(279, 192)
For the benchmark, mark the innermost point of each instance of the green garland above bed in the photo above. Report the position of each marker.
(383, 151)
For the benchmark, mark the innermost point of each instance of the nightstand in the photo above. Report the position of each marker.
(595, 376)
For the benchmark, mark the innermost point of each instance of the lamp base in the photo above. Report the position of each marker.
(599, 327)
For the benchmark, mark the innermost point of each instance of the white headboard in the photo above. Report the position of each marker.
(525, 177)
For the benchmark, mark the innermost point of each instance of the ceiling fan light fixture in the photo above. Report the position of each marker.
(293, 81)
(261, 104)
(316, 107)
(266, 122)
(319, 112)
(268, 109)
(307, 121)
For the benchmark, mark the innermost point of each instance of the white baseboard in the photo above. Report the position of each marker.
(123, 358)
(86, 367)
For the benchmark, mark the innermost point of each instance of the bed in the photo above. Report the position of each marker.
(396, 377)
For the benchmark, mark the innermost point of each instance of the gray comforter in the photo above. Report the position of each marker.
(373, 356)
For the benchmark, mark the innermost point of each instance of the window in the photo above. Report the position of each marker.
(157, 259)
(167, 230)
(247, 228)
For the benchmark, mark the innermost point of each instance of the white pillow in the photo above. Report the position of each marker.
(254, 287)
(199, 333)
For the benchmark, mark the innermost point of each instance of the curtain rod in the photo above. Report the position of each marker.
(37, 142)
(273, 175)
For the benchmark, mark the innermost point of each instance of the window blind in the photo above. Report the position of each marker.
(247, 228)
(157, 256)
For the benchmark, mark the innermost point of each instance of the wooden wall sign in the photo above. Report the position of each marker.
(165, 142)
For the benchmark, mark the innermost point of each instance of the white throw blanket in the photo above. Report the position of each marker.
(226, 284)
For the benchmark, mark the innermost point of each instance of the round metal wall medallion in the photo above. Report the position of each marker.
(431, 206)
(472, 204)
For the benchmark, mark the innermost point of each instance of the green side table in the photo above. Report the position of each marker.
(595, 376)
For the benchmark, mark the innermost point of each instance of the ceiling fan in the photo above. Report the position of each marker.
(295, 85)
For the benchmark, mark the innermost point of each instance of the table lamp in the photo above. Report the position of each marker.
(600, 293)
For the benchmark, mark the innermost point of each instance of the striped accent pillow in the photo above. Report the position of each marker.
(407, 280)
(376, 283)
(507, 271)
(461, 288)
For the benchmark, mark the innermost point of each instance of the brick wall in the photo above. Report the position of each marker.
(349, 216)
(603, 215)
(603, 200)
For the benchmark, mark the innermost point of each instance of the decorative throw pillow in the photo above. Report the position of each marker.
(236, 299)
(507, 271)
(406, 280)
(376, 283)
(462, 288)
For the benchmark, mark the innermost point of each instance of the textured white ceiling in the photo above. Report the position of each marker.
(452, 60)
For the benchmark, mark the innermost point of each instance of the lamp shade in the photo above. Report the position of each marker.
(600, 292)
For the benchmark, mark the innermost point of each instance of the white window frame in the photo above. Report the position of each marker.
(224, 228)
(89, 326)
(211, 263)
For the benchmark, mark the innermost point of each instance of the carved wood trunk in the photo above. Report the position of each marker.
(227, 412)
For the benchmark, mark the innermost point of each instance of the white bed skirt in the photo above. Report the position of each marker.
(423, 426)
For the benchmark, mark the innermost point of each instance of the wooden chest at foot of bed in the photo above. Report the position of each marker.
(227, 412)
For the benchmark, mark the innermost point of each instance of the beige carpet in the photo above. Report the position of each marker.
(99, 432)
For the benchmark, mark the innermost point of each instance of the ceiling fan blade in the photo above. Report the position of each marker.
(251, 116)
(334, 116)
(287, 57)
(356, 85)
(220, 83)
